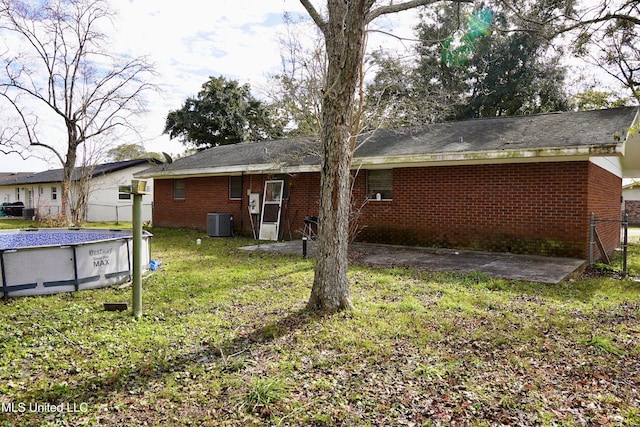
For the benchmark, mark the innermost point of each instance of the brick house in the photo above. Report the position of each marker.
(522, 184)
(631, 199)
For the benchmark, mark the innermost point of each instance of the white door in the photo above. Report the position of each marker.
(271, 207)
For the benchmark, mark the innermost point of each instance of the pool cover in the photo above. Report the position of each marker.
(25, 239)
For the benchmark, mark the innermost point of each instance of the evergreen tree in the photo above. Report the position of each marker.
(469, 64)
(223, 112)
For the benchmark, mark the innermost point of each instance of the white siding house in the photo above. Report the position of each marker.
(108, 197)
(9, 190)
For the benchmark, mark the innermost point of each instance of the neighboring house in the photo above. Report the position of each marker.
(522, 184)
(108, 186)
(631, 202)
(9, 191)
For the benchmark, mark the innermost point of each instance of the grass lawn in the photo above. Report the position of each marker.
(225, 340)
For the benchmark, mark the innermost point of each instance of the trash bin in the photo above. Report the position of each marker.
(13, 208)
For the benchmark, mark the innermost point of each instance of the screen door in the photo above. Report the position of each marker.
(271, 207)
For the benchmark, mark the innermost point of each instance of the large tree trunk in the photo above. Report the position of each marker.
(67, 176)
(344, 37)
(65, 208)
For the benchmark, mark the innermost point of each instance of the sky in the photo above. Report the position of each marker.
(189, 40)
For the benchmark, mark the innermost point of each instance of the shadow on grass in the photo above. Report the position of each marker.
(92, 390)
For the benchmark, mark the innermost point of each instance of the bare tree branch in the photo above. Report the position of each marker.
(399, 7)
(313, 13)
(64, 76)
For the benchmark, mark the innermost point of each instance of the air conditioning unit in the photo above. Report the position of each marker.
(219, 225)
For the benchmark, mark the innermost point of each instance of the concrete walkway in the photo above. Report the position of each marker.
(500, 265)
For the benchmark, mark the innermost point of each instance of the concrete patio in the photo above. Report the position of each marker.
(500, 265)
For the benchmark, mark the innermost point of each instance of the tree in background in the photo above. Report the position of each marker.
(395, 97)
(223, 112)
(471, 61)
(614, 46)
(593, 99)
(605, 33)
(132, 151)
(295, 92)
(62, 76)
(126, 152)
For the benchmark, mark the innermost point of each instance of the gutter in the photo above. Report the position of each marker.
(471, 157)
(226, 170)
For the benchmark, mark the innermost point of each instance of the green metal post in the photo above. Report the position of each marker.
(137, 255)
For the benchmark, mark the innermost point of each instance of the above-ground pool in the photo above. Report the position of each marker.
(52, 260)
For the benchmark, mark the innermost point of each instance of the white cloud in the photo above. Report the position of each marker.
(188, 43)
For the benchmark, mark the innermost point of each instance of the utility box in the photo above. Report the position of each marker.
(219, 225)
(254, 203)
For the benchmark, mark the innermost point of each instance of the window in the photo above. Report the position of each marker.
(179, 191)
(41, 190)
(285, 178)
(124, 192)
(379, 184)
(235, 187)
(54, 193)
(17, 194)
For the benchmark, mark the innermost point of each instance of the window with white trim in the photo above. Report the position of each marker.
(124, 192)
(380, 184)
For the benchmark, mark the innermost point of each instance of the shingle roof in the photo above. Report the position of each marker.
(55, 175)
(540, 131)
(9, 178)
(597, 132)
(242, 154)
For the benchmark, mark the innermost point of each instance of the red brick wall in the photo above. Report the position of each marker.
(536, 208)
(605, 198)
(211, 194)
(304, 196)
(202, 195)
(525, 208)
